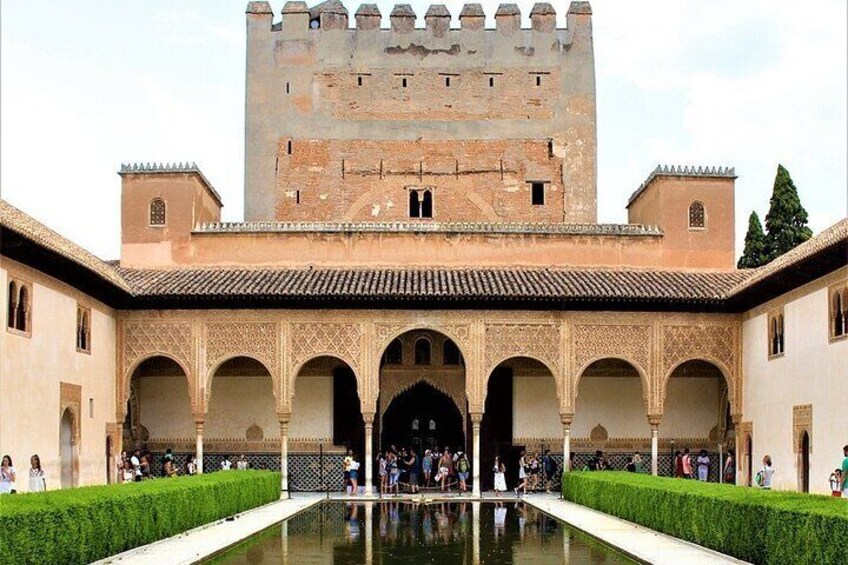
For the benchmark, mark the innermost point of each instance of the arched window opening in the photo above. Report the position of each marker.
(422, 352)
(22, 310)
(780, 348)
(12, 305)
(840, 327)
(450, 353)
(83, 330)
(394, 353)
(427, 205)
(157, 212)
(697, 216)
(414, 204)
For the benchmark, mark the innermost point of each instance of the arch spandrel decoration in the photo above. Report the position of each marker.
(257, 340)
(536, 341)
(450, 385)
(718, 345)
(143, 339)
(631, 343)
(308, 341)
(459, 333)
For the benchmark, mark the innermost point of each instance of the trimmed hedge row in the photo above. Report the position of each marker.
(86, 524)
(755, 525)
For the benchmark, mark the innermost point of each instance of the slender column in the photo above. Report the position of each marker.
(475, 464)
(737, 439)
(284, 454)
(369, 454)
(198, 432)
(655, 448)
(566, 440)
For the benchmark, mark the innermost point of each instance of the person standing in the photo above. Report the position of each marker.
(135, 461)
(226, 464)
(703, 462)
(412, 467)
(500, 476)
(678, 465)
(354, 475)
(37, 480)
(463, 466)
(383, 472)
(730, 468)
(191, 465)
(445, 466)
(242, 464)
(845, 472)
(427, 467)
(550, 468)
(7, 475)
(687, 464)
(346, 470)
(394, 472)
(523, 468)
(836, 483)
(765, 474)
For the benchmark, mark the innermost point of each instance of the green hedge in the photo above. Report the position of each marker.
(755, 525)
(85, 524)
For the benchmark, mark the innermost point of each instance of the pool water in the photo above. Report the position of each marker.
(407, 532)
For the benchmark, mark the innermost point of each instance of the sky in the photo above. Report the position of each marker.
(86, 86)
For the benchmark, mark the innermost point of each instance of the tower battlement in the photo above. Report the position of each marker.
(333, 15)
(322, 95)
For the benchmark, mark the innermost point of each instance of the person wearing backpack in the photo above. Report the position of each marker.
(462, 468)
(765, 474)
(550, 468)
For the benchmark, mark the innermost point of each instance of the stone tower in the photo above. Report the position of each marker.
(383, 125)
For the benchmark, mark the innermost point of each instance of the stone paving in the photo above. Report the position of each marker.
(640, 543)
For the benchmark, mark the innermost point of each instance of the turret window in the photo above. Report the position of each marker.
(420, 203)
(697, 216)
(776, 344)
(157, 212)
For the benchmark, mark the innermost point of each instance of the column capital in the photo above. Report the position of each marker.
(654, 420)
(284, 417)
(198, 426)
(736, 419)
(566, 418)
(476, 418)
(368, 418)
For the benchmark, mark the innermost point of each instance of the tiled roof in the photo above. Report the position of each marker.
(836, 233)
(473, 284)
(28, 227)
(428, 227)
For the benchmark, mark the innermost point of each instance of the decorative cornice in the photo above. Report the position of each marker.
(682, 171)
(169, 168)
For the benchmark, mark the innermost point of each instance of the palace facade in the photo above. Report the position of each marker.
(421, 265)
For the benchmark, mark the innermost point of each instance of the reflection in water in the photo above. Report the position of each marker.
(406, 532)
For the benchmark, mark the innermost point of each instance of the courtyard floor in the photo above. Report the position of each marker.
(638, 542)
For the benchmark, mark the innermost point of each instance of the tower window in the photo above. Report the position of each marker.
(358, 81)
(697, 216)
(538, 80)
(288, 88)
(537, 190)
(297, 197)
(427, 204)
(491, 82)
(403, 82)
(157, 212)
(289, 147)
(447, 82)
(420, 203)
(414, 204)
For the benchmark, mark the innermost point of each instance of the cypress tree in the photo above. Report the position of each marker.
(786, 221)
(755, 241)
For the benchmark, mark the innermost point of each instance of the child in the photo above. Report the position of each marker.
(835, 481)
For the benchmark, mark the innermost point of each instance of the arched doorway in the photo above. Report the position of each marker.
(159, 413)
(423, 417)
(326, 421)
(241, 416)
(697, 413)
(422, 385)
(610, 414)
(67, 454)
(521, 413)
(804, 467)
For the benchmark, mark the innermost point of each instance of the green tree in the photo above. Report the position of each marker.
(786, 221)
(755, 241)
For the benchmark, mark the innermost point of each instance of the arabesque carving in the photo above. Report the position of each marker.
(147, 337)
(260, 341)
(537, 341)
(802, 421)
(632, 343)
(313, 339)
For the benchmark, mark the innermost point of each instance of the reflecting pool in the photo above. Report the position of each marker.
(409, 532)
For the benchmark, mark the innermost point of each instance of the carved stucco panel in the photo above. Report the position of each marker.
(310, 340)
(450, 385)
(715, 344)
(631, 343)
(257, 340)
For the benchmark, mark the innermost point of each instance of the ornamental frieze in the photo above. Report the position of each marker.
(631, 343)
(145, 338)
(536, 341)
(258, 340)
(309, 340)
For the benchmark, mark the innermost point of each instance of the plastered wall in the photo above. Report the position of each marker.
(32, 367)
(813, 370)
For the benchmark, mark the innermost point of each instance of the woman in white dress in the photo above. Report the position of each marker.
(500, 478)
(522, 473)
(37, 481)
(7, 475)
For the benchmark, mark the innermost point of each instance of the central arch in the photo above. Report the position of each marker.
(423, 378)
